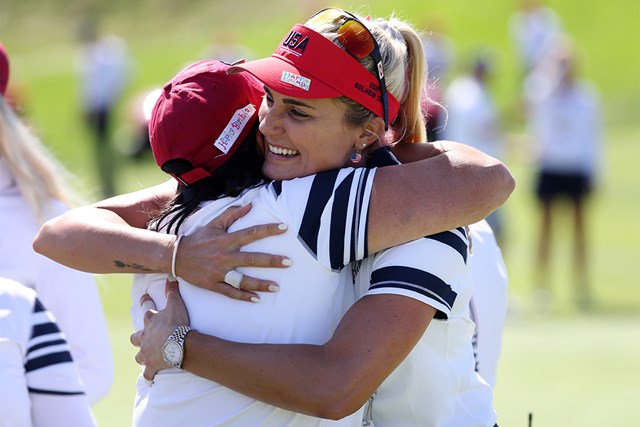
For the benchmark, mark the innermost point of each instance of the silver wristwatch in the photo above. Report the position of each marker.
(173, 349)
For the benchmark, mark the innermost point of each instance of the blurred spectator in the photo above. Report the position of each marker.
(564, 119)
(140, 112)
(439, 53)
(103, 68)
(40, 381)
(226, 48)
(474, 119)
(32, 190)
(532, 28)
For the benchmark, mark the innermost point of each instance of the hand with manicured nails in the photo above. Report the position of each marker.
(207, 255)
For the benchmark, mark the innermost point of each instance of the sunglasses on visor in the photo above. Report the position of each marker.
(358, 41)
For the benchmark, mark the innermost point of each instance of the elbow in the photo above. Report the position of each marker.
(493, 191)
(41, 241)
(337, 402)
(497, 185)
(336, 409)
(508, 182)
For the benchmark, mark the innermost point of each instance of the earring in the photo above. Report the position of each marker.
(356, 156)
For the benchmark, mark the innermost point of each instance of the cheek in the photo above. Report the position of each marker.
(262, 112)
(326, 156)
(260, 143)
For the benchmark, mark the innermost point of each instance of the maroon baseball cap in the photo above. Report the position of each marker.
(4, 69)
(202, 115)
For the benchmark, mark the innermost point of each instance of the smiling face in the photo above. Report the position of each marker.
(303, 136)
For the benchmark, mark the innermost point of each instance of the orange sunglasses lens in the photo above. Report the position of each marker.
(356, 39)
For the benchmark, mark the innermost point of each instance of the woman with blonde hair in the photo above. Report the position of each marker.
(33, 189)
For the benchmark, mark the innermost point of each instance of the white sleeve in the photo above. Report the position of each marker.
(69, 411)
(489, 301)
(15, 405)
(329, 211)
(40, 384)
(430, 269)
(55, 387)
(73, 296)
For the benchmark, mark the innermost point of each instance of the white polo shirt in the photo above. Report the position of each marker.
(40, 384)
(489, 300)
(326, 215)
(436, 385)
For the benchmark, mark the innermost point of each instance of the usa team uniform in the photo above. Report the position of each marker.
(436, 385)
(40, 384)
(489, 300)
(326, 215)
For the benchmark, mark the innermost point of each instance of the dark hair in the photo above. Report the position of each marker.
(241, 171)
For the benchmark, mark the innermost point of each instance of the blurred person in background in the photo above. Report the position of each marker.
(474, 119)
(532, 28)
(41, 386)
(225, 47)
(565, 121)
(33, 189)
(103, 69)
(439, 54)
(140, 113)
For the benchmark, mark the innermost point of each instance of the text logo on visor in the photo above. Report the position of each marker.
(295, 42)
(296, 80)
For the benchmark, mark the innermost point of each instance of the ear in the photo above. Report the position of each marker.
(372, 132)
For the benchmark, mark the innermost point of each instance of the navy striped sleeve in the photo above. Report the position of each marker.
(361, 201)
(319, 195)
(47, 345)
(333, 226)
(415, 280)
(454, 240)
(339, 224)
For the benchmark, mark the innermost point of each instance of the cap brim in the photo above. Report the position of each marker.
(279, 74)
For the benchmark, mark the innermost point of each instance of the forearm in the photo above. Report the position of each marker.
(111, 236)
(458, 186)
(487, 181)
(296, 377)
(329, 381)
(99, 241)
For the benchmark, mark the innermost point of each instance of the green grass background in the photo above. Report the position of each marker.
(564, 366)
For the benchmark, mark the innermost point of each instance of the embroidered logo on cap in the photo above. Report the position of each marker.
(233, 129)
(296, 80)
(295, 42)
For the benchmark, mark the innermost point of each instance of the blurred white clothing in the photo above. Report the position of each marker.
(41, 386)
(71, 295)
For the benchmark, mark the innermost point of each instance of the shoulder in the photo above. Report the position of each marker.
(16, 308)
(14, 294)
(432, 269)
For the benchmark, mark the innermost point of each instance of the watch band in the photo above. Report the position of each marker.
(180, 333)
(178, 336)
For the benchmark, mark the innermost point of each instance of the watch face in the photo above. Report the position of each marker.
(172, 353)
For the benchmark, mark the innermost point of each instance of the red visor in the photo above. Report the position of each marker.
(308, 65)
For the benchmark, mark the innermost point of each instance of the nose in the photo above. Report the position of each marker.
(270, 121)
